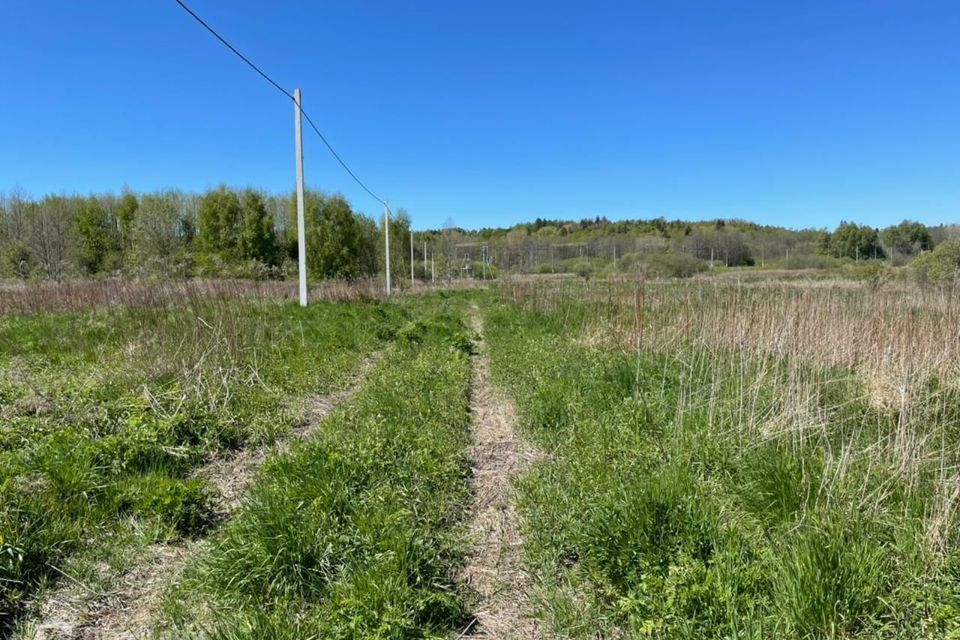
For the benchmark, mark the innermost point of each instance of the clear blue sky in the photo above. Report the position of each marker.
(495, 112)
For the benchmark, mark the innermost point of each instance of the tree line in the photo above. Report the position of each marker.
(550, 244)
(227, 232)
(222, 232)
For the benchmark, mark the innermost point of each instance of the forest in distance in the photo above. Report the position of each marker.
(248, 233)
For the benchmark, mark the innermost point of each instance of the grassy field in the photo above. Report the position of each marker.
(725, 464)
(106, 414)
(352, 533)
(717, 458)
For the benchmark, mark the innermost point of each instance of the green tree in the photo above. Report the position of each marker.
(126, 213)
(907, 238)
(218, 226)
(95, 236)
(335, 238)
(257, 239)
(854, 241)
(370, 240)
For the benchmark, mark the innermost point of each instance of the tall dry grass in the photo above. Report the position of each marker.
(19, 297)
(867, 375)
(805, 433)
(894, 336)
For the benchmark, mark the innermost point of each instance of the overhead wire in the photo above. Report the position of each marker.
(289, 95)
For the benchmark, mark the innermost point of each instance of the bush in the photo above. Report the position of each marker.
(547, 267)
(675, 265)
(940, 266)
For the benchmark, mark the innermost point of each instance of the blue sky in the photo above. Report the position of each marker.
(489, 113)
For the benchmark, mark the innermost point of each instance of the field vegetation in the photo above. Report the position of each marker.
(108, 413)
(353, 533)
(247, 233)
(738, 461)
(740, 454)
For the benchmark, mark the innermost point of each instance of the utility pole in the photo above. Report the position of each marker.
(386, 240)
(424, 260)
(433, 268)
(411, 259)
(301, 226)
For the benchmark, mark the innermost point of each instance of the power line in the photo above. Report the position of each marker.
(340, 160)
(289, 95)
(232, 48)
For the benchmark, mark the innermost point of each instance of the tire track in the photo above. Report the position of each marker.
(498, 455)
(126, 612)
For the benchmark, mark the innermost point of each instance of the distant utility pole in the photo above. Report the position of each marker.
(411, 258)
(301, 226)
(386, 240)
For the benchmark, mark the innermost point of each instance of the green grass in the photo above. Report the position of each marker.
(106, 414)
(691, 495)
(353, 534)
(692, 488)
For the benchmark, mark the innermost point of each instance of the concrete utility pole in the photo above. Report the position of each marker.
(411, 258)
(386, 239)
(301, 226)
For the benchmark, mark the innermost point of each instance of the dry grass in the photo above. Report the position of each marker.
(779, 350)
(788, 416)
(81, 295)
(895, 336)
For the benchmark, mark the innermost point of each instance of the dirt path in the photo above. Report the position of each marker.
(497, 456)
(76, 612)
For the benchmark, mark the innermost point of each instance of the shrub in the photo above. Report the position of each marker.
(548, 267)
(675, 265)
(940, 266)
